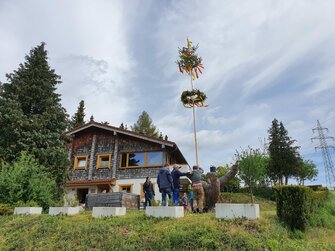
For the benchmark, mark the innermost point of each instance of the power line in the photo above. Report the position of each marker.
(328, 163)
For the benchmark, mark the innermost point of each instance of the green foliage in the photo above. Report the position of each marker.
(5, 209)
(284, 157)
(252, 165)
(26, 182)
(306, 170)
(325, 216)
(261, 191)
(145, 126)
(295, 204)
(78, 119)
(233, 185)
(31, 116)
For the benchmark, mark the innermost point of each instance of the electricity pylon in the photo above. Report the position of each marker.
(327, 160)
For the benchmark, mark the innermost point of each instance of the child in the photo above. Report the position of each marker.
(184, 201)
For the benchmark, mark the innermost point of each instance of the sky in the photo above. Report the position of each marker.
(263, 60)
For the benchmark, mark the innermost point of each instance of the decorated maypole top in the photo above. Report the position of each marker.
(190, 62)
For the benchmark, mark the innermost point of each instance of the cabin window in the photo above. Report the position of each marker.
(135, 159)
(128, 188)
(141, 159)
(154, 158)
(80, 162)
(104, 160)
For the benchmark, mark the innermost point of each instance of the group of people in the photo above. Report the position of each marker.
(169, 186)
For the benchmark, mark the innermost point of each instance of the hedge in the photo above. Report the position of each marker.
(295, 204)
(261, 191)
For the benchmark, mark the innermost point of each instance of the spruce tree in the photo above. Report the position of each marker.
(145, 126)
(284, 156)
(78, 119)
(31, 116)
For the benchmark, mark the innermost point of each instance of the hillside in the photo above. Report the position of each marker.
(194, 231)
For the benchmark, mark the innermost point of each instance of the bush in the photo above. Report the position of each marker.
(295, 204)
(5, 209)
(25, 181)
(261, 191)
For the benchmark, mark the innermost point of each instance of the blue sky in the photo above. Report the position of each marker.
(263, 60)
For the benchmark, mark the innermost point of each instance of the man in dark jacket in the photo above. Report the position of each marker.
(149, 192)
(176, 174)
(165, 183)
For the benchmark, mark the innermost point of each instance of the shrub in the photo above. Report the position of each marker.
(295, 204)
(261, 191)
(5, 209)
(25, 180)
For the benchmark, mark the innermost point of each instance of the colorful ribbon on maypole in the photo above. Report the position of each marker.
(189, 60)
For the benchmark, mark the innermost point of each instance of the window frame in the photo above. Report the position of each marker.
(76, 162)
(99, 158)
(126, 185)
(145, 160)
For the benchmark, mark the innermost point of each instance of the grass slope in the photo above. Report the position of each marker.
(195, 231)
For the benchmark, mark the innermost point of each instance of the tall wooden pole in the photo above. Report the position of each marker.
(194, 127)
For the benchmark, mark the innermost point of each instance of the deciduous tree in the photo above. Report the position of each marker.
(252, 164)
(306, 170)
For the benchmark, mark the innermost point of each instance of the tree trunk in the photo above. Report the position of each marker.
(212, 189)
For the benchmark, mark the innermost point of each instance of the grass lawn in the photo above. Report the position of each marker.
(135, 231)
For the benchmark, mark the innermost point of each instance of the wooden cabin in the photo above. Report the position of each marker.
(108, 159)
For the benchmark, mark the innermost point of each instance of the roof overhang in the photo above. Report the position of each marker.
(125, 132)
(78, 183)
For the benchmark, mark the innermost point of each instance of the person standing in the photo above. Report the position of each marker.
(165, 183)
(149, 192)
(198, 190)
(176, 174)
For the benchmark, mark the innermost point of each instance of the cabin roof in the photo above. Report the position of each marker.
(125, 132)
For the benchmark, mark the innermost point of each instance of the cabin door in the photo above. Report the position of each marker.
(81, 195)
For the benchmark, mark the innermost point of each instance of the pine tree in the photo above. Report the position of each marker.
(31, 116)
(145, 126)
(284, 156)
(78, 119)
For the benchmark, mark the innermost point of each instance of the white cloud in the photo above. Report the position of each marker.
(263, 60)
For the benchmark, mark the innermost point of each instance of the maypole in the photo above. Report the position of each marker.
(191, 64)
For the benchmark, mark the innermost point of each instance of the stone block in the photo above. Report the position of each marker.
(27, 210)
(171, 212)
(63, 210)
(232, 211)
(98, 212)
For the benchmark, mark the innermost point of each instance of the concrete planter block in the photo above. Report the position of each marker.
(171, 212)
(63, 210)
(28, 210)
(232, 211)
(98, 212)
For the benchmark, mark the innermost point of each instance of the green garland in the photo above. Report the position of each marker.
(193, 98)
